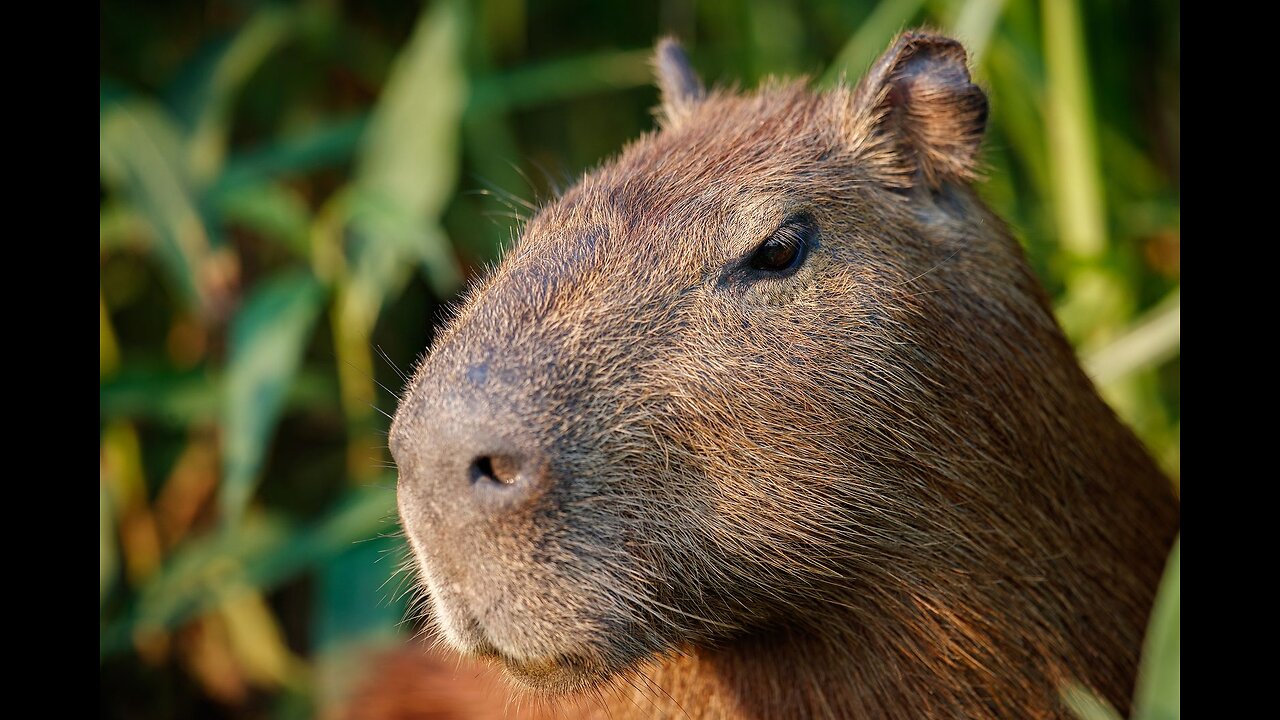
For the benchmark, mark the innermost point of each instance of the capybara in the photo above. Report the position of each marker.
(768, 417)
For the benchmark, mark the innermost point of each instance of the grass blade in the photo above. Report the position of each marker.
(409, 157)
(889, 17)
(1154, 338)
(272, 210)
(1159, 693)
(323, 146)
(406, 174)
(1086, 705)
(974, 25)
(142, 156)
(194, 398)
(556, 80)
(217, 88)
(268, 336)
(1077, 184)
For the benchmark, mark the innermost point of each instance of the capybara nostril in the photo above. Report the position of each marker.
(499, 469)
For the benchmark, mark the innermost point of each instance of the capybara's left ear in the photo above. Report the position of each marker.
(680, 86)
(919, 99)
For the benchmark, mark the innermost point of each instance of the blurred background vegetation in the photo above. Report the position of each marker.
(291, 192)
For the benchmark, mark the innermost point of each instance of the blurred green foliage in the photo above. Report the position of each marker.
(290, 192)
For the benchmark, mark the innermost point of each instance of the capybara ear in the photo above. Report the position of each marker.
(919, 99)
(680, 86)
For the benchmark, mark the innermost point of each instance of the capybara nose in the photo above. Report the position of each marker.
(468, 457)
(500, 478)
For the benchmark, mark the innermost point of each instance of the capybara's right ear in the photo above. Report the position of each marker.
(922, 112)
(680, 86)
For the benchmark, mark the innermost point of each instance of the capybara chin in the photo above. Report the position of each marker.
(769, 417)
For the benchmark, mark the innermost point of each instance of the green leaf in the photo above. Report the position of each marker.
(179, 399)
(182, 399)
(193, 578)
(406, 174)
(409, 157)
(220, 81)
(1159, 692)
(1017, 91)
(141, 155)
(325, 145)
(265, 551)
(268, 337)
(272, 210)
(561, 79)
(334, 142)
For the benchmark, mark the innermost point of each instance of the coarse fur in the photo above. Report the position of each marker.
(879, 486)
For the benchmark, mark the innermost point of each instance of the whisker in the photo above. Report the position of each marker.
(937, 265)
(383, 354)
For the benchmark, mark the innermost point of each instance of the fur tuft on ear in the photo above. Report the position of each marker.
(679, 85)
(920, 99)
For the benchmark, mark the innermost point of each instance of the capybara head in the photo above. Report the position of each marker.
(774, 362)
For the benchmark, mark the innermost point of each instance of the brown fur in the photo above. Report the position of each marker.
(419, 683)
(880, 487)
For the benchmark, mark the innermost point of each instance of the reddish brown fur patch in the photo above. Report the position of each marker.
(415, 683)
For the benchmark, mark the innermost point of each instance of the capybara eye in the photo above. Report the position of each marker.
(783, 252)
